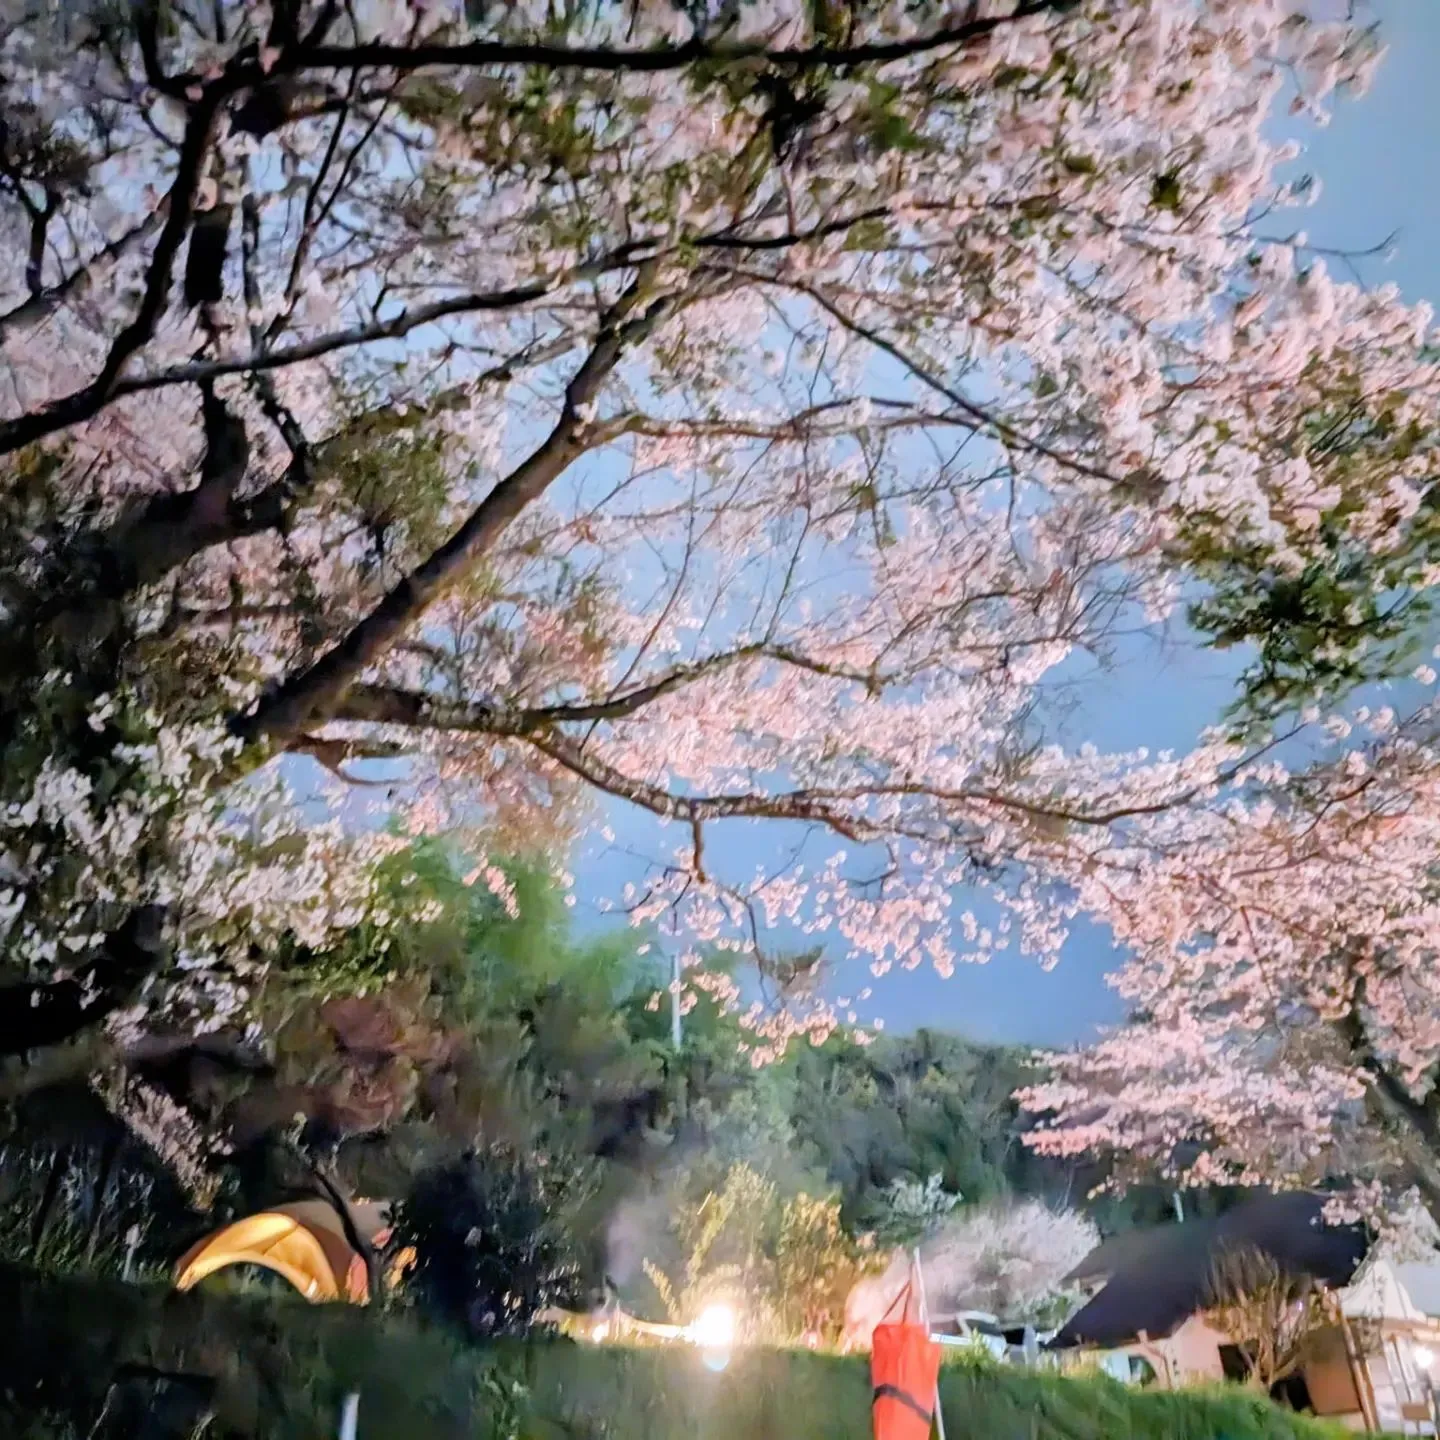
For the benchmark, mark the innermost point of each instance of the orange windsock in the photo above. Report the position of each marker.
(904, 1369)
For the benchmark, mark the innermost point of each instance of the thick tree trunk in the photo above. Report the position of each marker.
(1410, 1124)
(1413, 1129)
(353, 1237)
(311, 697)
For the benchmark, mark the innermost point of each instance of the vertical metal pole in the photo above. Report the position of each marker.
(349, 1415)
(925, 1321)
(675, 1002)
(1179, 1209)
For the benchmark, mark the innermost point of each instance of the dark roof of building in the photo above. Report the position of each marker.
(1131, 1247)
(1157, 1282)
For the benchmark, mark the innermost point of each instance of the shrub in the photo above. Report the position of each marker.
(787, 1264)
(492, 1249)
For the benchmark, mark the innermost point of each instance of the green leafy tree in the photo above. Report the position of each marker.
(1352, 612)
(786, 1263)
(817, 1265)
(725, 1241)
(914, 1210)
(907, 1108)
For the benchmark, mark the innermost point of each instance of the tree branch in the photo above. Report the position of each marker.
(244, 72)
(618, 707)
(537, 725)
(842, 225)
(984, 419)
(156, 535)
(42, 304)
(334, 755)
(385, 705)
(35, 1014)
(357, 1242)
(658, 59)
(39, 213)
(1409, 1123)
(262, 360)
(814, 806)
(171, 529)
(310, 698)
(88, 401)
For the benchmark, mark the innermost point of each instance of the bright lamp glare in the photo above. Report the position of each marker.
(1424, 1356)
(714, 1328)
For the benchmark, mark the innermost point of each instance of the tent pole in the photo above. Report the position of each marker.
(925, 1321)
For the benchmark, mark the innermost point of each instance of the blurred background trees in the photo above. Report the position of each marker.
(499, 1074)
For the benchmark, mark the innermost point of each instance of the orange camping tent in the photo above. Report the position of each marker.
(304, 1241)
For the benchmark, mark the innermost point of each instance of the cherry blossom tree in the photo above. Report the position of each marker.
(1006, 1259)
(1282, 981)
(738, 410)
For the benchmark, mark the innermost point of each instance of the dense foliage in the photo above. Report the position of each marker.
(492, 1242)
(475, 1028)
(736, 413)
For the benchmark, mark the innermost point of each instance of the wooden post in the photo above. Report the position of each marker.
(1359, 1368)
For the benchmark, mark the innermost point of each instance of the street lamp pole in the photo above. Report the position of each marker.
(681, 1099)
(675, 1002)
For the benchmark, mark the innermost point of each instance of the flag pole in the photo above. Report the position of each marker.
(925, 1321)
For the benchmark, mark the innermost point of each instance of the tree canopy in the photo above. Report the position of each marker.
(1282, 984)
(737, 412)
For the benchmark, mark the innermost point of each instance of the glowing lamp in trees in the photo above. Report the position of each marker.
(712, 1332)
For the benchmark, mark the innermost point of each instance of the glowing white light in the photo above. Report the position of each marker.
(1424, 1356)
(714, 1328)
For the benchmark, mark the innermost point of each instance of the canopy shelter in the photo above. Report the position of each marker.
(304, 1241)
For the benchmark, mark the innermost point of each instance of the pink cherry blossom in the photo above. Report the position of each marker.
(610, 428)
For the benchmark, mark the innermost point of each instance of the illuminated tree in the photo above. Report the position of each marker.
(734, 411)
(1282, 980)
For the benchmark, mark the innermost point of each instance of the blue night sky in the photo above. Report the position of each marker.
(1380, 174)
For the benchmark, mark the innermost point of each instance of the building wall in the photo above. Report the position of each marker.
(1400, 1341)
(1190, 1356)
(1401, 1387)
(1330, 1376)
(1194, 1353)
(1377, 1294)
(1399, 1371)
